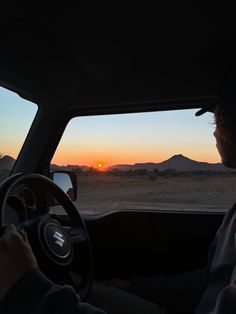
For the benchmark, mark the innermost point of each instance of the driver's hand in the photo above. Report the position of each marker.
(16, 258)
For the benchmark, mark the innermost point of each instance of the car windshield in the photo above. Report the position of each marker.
(16, 116)
(146, 161)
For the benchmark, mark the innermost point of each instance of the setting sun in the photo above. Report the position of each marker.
(100, 165)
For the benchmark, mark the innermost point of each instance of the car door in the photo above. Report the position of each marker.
(126, 243)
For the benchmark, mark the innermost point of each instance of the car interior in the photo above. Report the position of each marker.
(72, 62)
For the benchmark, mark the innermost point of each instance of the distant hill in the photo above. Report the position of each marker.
(177, 162)
(55, 167)
(6, 162)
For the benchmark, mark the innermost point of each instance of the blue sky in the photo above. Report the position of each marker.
(16, 116)
(113, 139)
(140, 137)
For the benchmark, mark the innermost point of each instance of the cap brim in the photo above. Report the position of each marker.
(204, 110)
(200, 112)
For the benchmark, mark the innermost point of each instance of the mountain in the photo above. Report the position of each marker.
(6, 162)
(177, 162)
(55, 167)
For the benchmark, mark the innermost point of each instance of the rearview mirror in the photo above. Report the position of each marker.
(67, 181)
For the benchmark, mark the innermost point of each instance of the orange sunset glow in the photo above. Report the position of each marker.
(103, 141)
(135, 155)
(100, 165)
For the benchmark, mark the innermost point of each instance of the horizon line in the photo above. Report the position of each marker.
(135, 163)
(119, 164)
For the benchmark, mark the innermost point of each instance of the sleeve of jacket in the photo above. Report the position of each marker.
(36, 294)
(226, 301)
(178, 293)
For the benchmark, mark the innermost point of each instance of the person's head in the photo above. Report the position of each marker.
(225, 134)
(225, 120)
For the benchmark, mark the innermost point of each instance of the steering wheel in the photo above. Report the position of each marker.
(58, 247)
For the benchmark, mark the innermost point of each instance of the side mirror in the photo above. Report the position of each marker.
(67, 181)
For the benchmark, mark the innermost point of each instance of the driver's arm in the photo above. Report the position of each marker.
(23, 287)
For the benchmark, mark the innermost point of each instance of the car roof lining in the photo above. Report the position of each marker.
(139, 63)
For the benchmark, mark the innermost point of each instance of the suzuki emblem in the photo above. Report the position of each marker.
(58, 239)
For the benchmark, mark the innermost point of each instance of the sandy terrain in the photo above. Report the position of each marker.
(102, 193)
(196, 193)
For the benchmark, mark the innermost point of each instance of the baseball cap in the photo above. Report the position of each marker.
(226, 96)
(207, 108)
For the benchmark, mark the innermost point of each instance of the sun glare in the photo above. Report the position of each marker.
(99, 166)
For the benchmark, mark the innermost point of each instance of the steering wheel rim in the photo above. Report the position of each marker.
(13, 181)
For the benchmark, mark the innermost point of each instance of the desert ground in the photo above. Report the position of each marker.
(100, 194)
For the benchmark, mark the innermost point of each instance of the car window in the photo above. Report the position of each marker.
(16, 116)
(146, 161)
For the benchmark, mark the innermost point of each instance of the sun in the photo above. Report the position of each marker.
(100, 165)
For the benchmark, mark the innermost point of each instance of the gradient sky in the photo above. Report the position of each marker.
(16, 116)
(113, 139)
